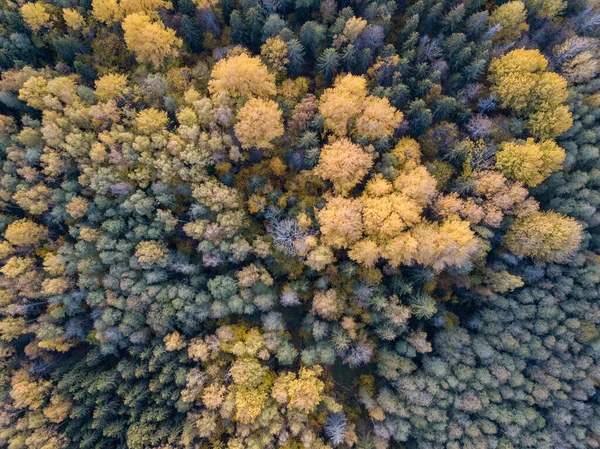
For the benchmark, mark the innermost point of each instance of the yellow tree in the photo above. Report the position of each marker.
(147, 7)
(242, 76)
(514, 77)
(73, 19)
(150, 251)
(340, 222)
(378, 118)
(354, 26)
(545, 237)
(259, 123)
(386, 216)
(520, 81)
(149, 40)
(107, 11)
(511, 17)
(342, 102)
(25, 232)
(408, 153)
(151, 120)
(417, 184)
(343, 163)
(35, 15)
(365, 252)
(274, 52)
(300, 392)
(530, 163)
(111, 86)
(546, 9)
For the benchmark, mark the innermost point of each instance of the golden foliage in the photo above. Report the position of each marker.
(73, 19)
(147, 7)
(343, 102)
(35, 15)
(386, 216)
(25, 232)
(511, 17)
(59, 408)
(174, 341)
(545, 237)
(341, 222)
(531, 162)
(242, 76)
(16, 266)
(274, 53)
(35, 200)
(320, 257)
(259, 123)
(365, 252)
(417, 184)
(150, 251)
(408, 153)
(27, 392)
(346, 107)
(437, 245)
(547, 9)
(107, 11)
(111, 86)
(149, 121)
(343, 163)
(300, 392)
(12, 328)
(378, 118)
(327, 305)
(149, 40)
(77, 207)
(520, 81)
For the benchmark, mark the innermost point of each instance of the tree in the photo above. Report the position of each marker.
(328, 63)
(147, 7)
(514, 77)
(111, 86)
(77, 207)
(242, 76)
(511, 17)
(295, 56)
(327, 305)
(531, 162)
(12, 328)
(73, 19)
(259, 122)
(35, 15)
(300, 392)
(151, 121)
(343, 102)
(386, 216)
(25, 232)
(545, 237)
(192, 33)
(274, 53)
(107, 11)
(519, 79)
(365, 252)
(150, 41)
(343, 163)
(150, 251)
(546, 9)
(378, 118)
(340, 222)
(417, 184)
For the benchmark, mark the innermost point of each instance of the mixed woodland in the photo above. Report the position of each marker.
(299, 224)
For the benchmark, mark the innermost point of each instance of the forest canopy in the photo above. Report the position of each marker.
(259, 224)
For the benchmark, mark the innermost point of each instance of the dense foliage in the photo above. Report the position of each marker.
(300, 224)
